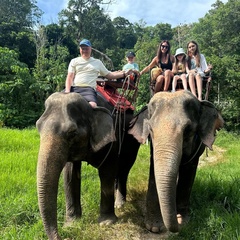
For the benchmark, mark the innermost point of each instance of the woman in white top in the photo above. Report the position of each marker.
(196, 68)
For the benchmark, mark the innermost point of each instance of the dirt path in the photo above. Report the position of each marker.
(211, 157)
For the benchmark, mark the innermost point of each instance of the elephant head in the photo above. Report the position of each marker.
(68, 115)
(178, 125)
(70, 129)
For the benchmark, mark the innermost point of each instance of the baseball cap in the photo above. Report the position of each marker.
(130, 54)
(85, 42)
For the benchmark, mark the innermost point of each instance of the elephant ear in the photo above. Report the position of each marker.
(139, 126)
(210, 121)
(102, 128)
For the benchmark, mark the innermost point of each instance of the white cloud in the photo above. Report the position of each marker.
(152, 12)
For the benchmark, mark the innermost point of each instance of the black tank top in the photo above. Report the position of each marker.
(167, 65)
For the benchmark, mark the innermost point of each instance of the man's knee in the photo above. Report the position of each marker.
(93, 104)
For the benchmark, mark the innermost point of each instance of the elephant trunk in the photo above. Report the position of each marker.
(50, 165)
(166, 166)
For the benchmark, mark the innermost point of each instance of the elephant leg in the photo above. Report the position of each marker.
(127, 159)
(121, 191)
(153, 218)
(107, 174)
(186, 178)
(72, 187)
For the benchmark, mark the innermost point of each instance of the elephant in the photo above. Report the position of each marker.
(71, 131)
(180, 127)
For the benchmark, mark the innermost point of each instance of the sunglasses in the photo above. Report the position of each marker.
(164, 46)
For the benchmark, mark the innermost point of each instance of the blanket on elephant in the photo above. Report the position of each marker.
(114, 97)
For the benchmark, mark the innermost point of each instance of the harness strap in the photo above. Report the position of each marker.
(194, 155)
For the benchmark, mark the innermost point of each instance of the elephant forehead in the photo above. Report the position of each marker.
(177, 105)
(64, 113)
(178, 95)
(170, 122)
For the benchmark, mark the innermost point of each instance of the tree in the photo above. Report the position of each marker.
(17, 105)
(76, 18)
(216, 34)
(17, 19)
(125, 35)
(51, 64)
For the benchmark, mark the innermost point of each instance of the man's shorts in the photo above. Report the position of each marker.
(87, 93)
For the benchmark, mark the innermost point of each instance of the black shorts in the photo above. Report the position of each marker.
(88, 93)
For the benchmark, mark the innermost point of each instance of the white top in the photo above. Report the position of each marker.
(203, 65)
(87, 71)
(131, 66)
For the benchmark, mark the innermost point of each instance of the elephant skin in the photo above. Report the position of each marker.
(180, 127)
(71, 131)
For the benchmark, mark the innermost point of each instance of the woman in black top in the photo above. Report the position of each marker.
(164, 60)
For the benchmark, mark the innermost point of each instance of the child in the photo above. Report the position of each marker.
(179, 69)
(131, 65)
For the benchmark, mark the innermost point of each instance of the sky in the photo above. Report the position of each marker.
(174, 12)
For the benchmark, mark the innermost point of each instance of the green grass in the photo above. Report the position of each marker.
(215, 200)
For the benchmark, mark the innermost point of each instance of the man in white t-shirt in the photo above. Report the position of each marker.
(83, 72)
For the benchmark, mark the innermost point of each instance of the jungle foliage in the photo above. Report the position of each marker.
(34, 57)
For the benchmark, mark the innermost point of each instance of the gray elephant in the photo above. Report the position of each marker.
(180, 127)
(72, 131)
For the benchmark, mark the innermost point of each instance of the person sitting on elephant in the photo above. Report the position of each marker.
(179, 69)
(165, 61)
(83, 72)
(197, 68)
(131, 64)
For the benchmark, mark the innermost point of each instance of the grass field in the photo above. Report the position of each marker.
(215, 201)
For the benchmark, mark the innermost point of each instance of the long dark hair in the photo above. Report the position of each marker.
(159, 52)
(197, 55)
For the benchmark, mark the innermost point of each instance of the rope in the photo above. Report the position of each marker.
(194, 155)
(110, 148)
(118, 119)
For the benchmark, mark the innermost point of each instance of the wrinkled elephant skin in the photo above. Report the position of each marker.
(180, 127)
(71, 131)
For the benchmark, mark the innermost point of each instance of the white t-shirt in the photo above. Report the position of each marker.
(87, 71)
(130, 66)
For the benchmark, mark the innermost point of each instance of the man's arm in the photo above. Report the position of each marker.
(115, 75)
(69, 81)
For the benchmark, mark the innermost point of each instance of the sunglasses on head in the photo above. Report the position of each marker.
(164, 46)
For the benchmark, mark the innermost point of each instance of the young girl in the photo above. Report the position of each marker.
(196, 68)
(179, 69)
